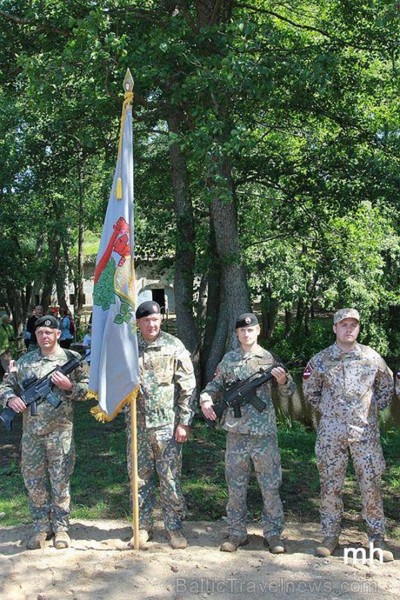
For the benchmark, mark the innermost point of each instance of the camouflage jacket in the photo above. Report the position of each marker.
(235, 366)
(167, 382)
(397, 383)
(348, 388)
(48, 418)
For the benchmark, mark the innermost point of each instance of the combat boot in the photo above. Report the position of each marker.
(385, 552)
(145, 535)
(328, 546)
(37, 540)
(176, 539)
(233, 542)
(275, 544)
(61, 540)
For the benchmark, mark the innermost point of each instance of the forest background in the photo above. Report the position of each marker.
(266, 158)
(266, 176)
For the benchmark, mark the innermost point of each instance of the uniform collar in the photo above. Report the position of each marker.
(156, 342)
(337, 351)
(56, 355)
(257, 350)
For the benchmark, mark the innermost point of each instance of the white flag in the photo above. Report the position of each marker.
(114, 371)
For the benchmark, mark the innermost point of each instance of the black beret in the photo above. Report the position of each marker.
(246, 320)
(47, 321)
(147, 308)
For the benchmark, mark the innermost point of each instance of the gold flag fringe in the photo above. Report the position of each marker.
(101, 416)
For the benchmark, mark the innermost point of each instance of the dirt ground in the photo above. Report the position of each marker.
(100, 566)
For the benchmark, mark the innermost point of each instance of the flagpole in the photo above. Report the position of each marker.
(134, 475)
(128, 88)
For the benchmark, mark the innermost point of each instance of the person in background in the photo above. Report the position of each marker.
(87, 343)
(348, 383)
(30, 328)
(66, 336)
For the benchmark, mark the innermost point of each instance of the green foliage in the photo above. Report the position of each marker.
(297, 346)
(288, 111)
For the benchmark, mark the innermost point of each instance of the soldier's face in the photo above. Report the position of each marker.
(47, 337)
(149, 327)
(347, 331)
(247, 336)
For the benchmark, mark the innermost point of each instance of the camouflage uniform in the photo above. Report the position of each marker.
(165, 400)
(348, 389)
(48, 455)
(397, 383)
(251, 438)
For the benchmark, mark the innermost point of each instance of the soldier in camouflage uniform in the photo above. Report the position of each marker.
(252, 438)
(164, 414)
(48, 455)
(348, 384)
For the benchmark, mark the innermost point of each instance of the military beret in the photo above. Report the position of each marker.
(246, 320)
(346, 313)
(147, 308)
(47, 321)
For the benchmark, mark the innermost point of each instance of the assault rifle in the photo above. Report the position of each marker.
(34, 391)
(243, 392)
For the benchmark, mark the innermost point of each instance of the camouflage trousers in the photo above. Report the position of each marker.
(263, 452)
(158, 454)
(332, 452)
(47, 463)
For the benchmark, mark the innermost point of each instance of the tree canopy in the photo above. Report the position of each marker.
(266, 154)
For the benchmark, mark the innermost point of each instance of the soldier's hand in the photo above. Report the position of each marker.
(16, 404)
(61, 381)
(280, 375)
(208, 411)
(182, 433)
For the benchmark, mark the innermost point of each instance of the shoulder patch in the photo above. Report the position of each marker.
(307, 371)
(398, 375)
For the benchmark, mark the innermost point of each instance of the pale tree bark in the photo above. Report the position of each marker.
(234, 295)
(53, 274)
(78, 280)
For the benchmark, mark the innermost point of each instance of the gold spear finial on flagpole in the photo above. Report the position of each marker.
(128, 81)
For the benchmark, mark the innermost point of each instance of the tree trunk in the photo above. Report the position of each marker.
(54, 273)
(15, 307)
(213, 303)
(288, 322)
(79, 295)
(269, 312)
(184, 245)
(234, 296)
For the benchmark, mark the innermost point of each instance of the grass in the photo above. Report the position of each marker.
(100, 486)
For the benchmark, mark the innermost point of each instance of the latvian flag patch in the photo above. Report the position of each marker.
(307, 371)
